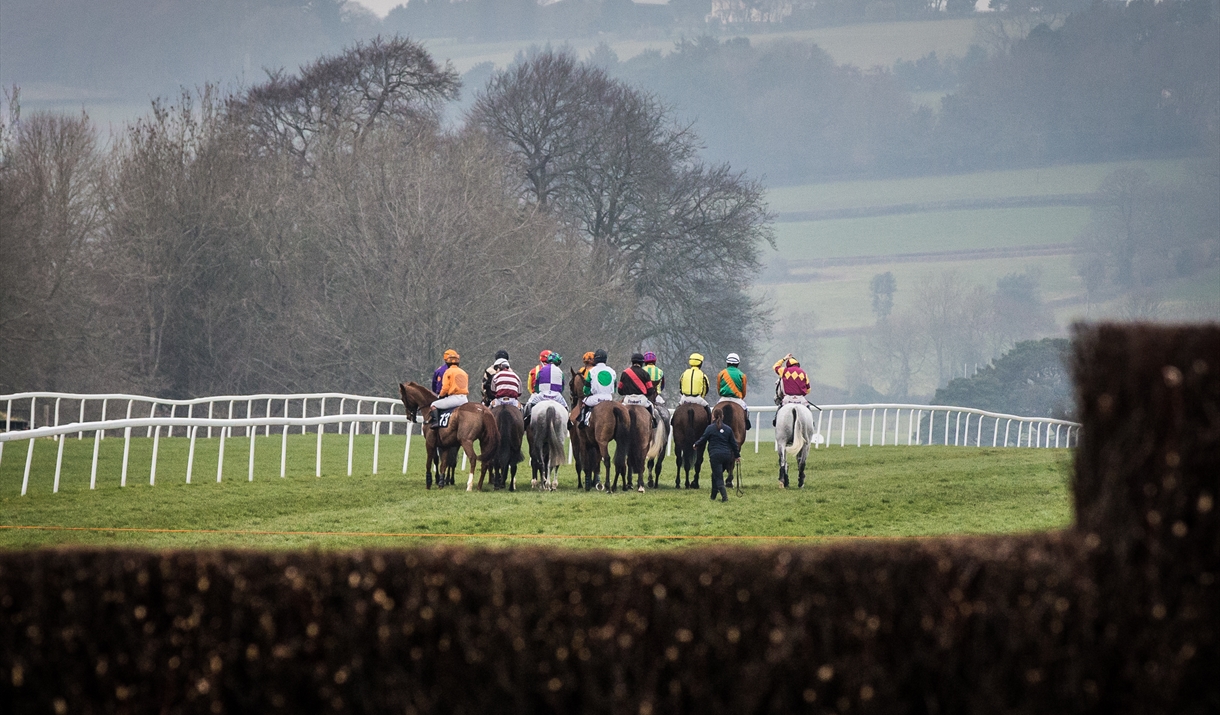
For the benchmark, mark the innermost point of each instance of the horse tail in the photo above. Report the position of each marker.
(660, 438)
(506, 454)
(729, 409)
(798, 433)
(624, 436)
(556, 423)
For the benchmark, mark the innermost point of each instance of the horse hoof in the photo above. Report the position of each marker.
(470, 483)
(641, 490)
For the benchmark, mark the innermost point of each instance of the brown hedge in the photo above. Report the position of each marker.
(1117, 614)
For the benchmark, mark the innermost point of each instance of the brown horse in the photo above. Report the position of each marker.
(632, 438)
(595, 438)
(689, 422)
(469, 422)
(735, 417)
(584, 474)
(510, 424)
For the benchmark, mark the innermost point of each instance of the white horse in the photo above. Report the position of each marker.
(547, 431)
(658, 447)
(793, 435)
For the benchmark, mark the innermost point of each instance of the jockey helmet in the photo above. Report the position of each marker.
(599, 356)
(695, 360)
(733, 359)
(555, 359)
(588, 358)
(452, 357)
(650, 357)
(793, 362)
(636, 358)
(542, 356)
(501, 354)
(500, 364)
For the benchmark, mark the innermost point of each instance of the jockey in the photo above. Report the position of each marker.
(599, 385)
(792, 386)
(731, 384)
(636, 387)
(505, 383)
(530, 380)
(548, 383)
(489, 392)
(694, 384)
(588, 363)
(454, 387)
(656, 373)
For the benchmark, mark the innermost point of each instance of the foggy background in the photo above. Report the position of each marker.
(943, 181)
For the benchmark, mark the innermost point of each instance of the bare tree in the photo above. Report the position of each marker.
(50, 175)
(680, 237)
(341, 98)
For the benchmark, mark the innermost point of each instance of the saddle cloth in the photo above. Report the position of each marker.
(443, 420)
(506, 401)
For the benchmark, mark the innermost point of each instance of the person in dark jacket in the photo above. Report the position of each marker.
(489, 391)
(722, 450)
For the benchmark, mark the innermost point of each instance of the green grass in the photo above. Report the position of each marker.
(881, 491)
(1065, 179)
(931, 231)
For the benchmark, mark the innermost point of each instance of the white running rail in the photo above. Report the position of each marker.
(838, 425)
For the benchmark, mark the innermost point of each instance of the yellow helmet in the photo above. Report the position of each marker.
(452, 357)
(695, 360)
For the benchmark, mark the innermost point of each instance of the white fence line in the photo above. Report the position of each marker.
(192, 426)
(1038, 432)
(268, 404)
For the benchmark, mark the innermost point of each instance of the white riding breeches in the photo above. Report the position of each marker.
(736, 400)
(540, 396)
(448, 403)
(693, 399)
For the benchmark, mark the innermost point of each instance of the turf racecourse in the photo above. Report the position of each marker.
(881, 491)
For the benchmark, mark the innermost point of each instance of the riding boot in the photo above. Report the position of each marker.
(434, 419)
(748, 425)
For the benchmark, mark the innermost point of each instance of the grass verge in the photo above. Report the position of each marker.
(878, 492)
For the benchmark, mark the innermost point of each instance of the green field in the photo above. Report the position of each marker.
(880, 491)
(1045, 181)
(929, 232)
(838, 295)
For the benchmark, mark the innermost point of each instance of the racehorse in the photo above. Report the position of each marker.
(510, 424)
(689, 422)
(467, 423)
(584, 473)
(631, 439)
(595, 438)
(793, 434)
(659, 446)
(735, 417)
(546, 444)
